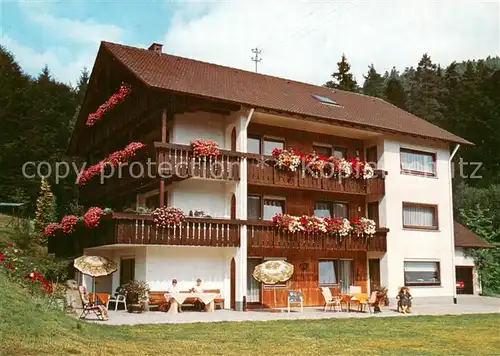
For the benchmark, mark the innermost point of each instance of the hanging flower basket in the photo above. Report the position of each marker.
(167, 216)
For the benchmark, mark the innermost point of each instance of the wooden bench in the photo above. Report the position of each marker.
(157, 300)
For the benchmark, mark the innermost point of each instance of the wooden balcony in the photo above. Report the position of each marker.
(135, 229)
(264, 173)
(178, 162)
(263, 235)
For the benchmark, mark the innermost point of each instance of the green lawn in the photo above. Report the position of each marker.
(28, 329)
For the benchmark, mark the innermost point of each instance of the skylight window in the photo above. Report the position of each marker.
(324, 99)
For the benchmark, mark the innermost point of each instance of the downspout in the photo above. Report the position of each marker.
(452, 225)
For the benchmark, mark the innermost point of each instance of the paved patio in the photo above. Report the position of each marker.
(465, 305)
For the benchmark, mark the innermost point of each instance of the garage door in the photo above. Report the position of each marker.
(464, 274)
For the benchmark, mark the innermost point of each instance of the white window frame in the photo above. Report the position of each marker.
(416, 172)
(422, 284)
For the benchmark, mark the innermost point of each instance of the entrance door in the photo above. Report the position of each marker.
(127, 270)
(253, 286)
(374, 270)
(346, 275)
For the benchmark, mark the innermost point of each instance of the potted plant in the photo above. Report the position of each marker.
(137, 295)
(382, 294)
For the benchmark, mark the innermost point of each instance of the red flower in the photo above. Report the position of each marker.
(10, 244)
(92, 217)
(51, 229)
(113, 100)
(2, 258)
(204, 148)
(114, 160)
(68, 224)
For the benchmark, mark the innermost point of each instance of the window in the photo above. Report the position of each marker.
(254, 207)
(328, 151)
(324, 99)
(331, 209)
(153, 202)
(327, 274)
(323, 150)
(420, 216)
(263, 146)
(270, 144)
(373, 211)
(422, 273)
(371, 155)
(264, 208)
(253, 144)
(273, 207)
(336, 272)
(418, 163)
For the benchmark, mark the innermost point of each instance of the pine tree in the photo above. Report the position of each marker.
(395, 93)
(81, 86)
(45, 206)
(343, 79)
(426, 91)
(374, 84)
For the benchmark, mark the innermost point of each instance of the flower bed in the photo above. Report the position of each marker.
(321, 166)
(205, 148)
(333, 226)
(113, 100)
(113, 160)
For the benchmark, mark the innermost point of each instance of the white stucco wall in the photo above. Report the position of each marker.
(190, 126)
(416, 245)
(461, 259)
(188, 263)
(211, 196)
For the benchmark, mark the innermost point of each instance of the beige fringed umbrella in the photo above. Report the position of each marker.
(95, 266)
(273, 272)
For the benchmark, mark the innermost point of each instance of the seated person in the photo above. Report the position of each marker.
(404, 300)
(198, 289)
(174, 289)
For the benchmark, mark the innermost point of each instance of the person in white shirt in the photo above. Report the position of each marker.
(198, 289)
(174, 289)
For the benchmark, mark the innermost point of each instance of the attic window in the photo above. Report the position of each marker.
(325, 100)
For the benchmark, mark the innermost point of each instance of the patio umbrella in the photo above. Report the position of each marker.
(95, 266)
(273, 272)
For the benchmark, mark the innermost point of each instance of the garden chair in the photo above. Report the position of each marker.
(99, 310)
(296, 297)
(117, 299)
(368, 302)
(330, 300)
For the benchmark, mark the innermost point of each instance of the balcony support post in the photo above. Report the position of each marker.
(163, 140)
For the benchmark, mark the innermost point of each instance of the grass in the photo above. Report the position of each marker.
(27, 328)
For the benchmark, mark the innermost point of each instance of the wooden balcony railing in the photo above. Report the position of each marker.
(178, 161)
(264, 173)
(135, 229)
(125, 228)
(263, 235)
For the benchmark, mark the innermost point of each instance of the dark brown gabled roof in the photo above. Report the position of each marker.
(466, 238)
(213, 81)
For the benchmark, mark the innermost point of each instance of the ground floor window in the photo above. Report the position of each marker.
(422, 273)
(335, 273)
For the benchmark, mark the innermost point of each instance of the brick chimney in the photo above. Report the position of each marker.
(156, 47)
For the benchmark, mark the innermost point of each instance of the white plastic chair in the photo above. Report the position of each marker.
(330, 300)
(117, 299)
